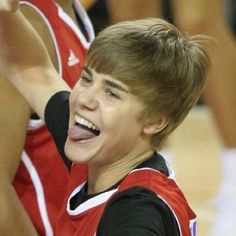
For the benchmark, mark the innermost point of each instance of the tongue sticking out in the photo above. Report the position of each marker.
(78, 133)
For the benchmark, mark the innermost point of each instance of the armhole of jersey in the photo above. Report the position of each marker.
(176, 218)
(171, 177)
(85, 19)
(35, 124)
(192, 222)
(73, 26)
(50, 31)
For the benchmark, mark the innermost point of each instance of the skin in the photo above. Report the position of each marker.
(15, 109)
(17, 113)
(12, 105)
(110, 106)
(101, 110)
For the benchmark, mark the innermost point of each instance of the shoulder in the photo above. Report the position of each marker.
(57, 110)
(137, 211)
(40, 21)
(35, 15)
(57, 119)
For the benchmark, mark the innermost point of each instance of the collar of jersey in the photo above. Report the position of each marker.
(90, 203)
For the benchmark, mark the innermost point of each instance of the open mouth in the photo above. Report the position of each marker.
(88, 127)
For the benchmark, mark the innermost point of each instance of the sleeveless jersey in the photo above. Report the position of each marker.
(74, 222)
(42, 177)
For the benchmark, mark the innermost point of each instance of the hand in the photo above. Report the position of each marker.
(9, 5)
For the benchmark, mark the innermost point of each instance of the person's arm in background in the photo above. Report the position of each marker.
(14, 115)
(25, 61)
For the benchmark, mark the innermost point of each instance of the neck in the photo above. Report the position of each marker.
(104, 177)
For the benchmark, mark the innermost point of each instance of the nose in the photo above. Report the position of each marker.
(88, 98)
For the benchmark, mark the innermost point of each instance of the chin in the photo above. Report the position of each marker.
(74, 154)
(70, 152)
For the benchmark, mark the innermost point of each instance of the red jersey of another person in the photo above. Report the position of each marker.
(74, 220)
(42, 177)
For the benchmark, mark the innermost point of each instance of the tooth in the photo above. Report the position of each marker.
(84, 122)
(76, 118)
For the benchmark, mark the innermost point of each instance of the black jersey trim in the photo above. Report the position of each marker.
(56, 117)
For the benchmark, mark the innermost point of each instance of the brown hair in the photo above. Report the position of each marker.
(166, 70)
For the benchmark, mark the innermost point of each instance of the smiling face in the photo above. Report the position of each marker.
(104, 125)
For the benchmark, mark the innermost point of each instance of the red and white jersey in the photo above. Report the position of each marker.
(74, 221)
(42, 177)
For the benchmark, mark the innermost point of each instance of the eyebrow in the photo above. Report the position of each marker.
(87, 70)
(107, 81)
(115, 85)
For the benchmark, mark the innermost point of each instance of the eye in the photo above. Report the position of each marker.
(112, 94)
(85, 80)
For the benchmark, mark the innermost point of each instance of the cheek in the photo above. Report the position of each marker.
(71, 100)
(127, 123)
(74, 95)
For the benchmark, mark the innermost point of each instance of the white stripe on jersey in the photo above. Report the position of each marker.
(90, 203)
(39, 193)
(50, 30)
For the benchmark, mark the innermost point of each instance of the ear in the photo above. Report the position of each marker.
(156, 126)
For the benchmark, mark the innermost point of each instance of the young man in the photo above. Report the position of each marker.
(139, 83)
(41, 178)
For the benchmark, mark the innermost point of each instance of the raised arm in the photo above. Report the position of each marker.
(24, 60)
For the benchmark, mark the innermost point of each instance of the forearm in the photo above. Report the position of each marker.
(25, 62)
(13, 108)
(13, 218)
